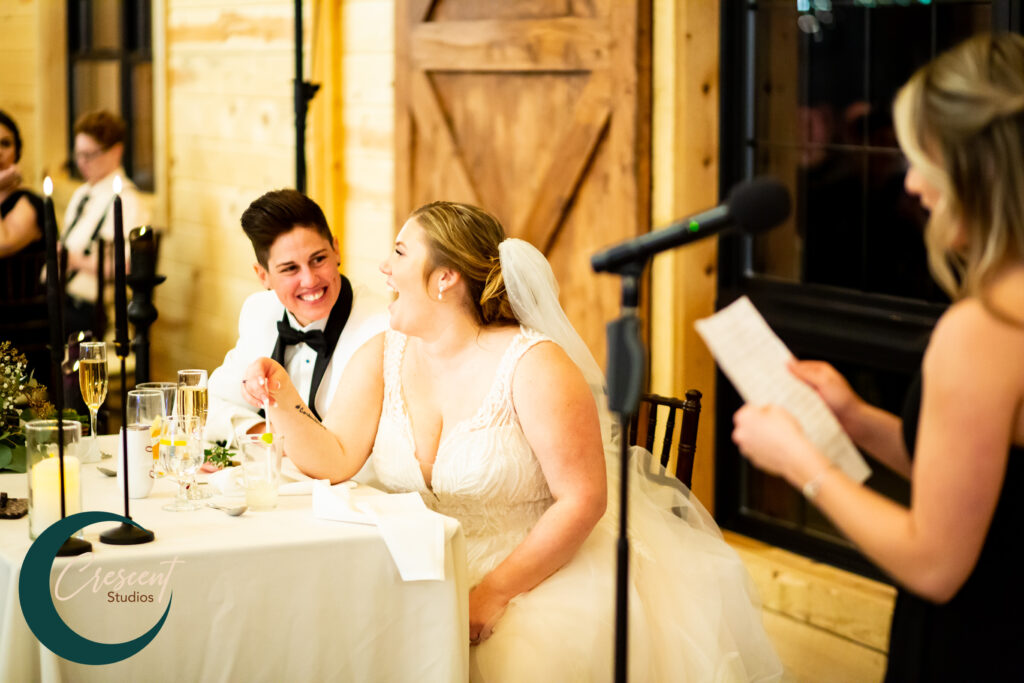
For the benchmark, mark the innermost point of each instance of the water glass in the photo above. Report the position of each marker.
(169, 389)
(145, 410)
(261, 468)
(43, 466)
(181, 454)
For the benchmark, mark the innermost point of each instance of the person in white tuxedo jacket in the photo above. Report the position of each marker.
(311, 319)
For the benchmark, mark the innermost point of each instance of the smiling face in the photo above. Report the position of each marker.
(404, 268)
(7, 151)
(302, 269)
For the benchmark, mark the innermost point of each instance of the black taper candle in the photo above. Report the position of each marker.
(125, 533)
(53, 297)
(120, 283)
(54, 301)
(121, 327)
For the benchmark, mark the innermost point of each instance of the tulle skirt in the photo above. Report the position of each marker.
(693, 610)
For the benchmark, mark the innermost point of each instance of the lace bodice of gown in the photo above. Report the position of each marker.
(485, 474)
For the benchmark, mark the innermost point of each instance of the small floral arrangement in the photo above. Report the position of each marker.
(22, 399)
(12, 375)
(13, 379)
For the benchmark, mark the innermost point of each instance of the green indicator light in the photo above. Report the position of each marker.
(694, 226)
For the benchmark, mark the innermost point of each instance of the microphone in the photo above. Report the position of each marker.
(752, 206)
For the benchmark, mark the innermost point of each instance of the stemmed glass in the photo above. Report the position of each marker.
(192, 401)
(92, 379)
(181, 452)
(192, 394)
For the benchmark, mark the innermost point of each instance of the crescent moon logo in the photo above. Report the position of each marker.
(37, 603)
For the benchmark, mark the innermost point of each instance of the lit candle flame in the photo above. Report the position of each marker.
(48, 186)
(117, 184)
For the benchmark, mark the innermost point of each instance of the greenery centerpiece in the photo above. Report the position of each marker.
(22, 399)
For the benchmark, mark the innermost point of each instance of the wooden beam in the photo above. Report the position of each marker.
(419, 11)
(569, 162)
(567, 44)
(403, 115)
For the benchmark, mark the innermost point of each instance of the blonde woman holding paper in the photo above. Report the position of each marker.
(960, 442)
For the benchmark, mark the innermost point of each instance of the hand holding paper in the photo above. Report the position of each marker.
(755, 359)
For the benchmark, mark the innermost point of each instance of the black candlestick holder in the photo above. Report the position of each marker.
(143, 279)
(124, 533)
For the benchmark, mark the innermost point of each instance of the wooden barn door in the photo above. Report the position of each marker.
(538, 111)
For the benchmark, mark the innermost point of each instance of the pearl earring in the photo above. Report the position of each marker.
(440, 291)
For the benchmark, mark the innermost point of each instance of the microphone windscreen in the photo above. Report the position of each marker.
(759, 204)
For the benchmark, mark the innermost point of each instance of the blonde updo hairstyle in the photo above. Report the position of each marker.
(466, 238)
(960, 121)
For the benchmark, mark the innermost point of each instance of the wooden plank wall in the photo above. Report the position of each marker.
(229, 138)
(685, 181)
(365, 187)
(33, 51)
(20, 51)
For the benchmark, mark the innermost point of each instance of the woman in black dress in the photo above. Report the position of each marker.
(20, 210)
(960, 441)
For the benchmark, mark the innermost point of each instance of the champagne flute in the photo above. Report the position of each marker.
(181, 451)
(192, 401)
(192, 397)
(92, 379)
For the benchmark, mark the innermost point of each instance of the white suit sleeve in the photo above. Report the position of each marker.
(227, 409)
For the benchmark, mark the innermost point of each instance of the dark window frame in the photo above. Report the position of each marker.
(135, 47)
(885, 333)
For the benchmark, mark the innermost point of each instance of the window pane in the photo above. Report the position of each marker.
(105, 24)
(141, 125)
(823, 85)
(137, 23)
(97, 85)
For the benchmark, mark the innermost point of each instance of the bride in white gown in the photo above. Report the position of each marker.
(484, 400)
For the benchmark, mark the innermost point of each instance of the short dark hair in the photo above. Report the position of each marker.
(278, 212)
(8, 122)
(105, 127)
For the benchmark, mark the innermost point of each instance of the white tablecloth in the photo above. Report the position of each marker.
(268, 596)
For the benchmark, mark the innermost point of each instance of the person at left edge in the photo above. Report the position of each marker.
(297, 262)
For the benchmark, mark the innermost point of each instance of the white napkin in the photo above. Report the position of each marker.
(413, 534)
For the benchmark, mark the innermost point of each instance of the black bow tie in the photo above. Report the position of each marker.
(289, 336)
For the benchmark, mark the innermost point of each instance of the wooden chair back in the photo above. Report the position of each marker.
(680, 441)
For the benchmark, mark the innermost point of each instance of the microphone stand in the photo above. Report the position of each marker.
(625, 379)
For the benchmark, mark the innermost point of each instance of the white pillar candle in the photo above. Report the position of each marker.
(44, 492)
